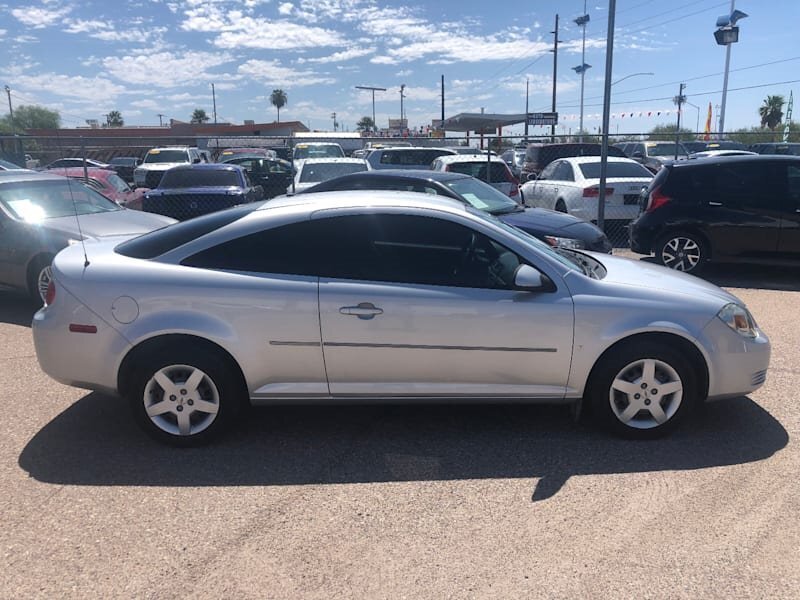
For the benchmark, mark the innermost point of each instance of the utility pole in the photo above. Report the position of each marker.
(214, 98)
(679, 100)
(11, 112)
(555, 75)
(581, 22)
(335, 124)
(108, 119)
(725, 81)
(442, 98)
(372, 89)
(601, 198)
(160, 122)
(402, 95)
(527, 94)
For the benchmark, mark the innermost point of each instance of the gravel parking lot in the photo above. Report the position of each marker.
(404, 502)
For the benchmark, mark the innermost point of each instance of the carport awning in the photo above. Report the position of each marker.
(480, 121)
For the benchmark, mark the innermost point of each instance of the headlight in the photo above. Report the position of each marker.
(559, 242)
(739, 319)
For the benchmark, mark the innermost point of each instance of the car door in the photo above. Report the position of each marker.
(789, 241)
(543, 188)
(413, 306)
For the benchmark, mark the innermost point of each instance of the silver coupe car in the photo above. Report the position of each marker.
(385, 296)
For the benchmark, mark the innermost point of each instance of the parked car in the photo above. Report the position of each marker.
(345, 296)
(158, 160)
(272, 174)
(499, 176)
(729, 209)
(187, 191)
(653, 155)
(410, 157)
(9, 166)
(68, 163)
(702, 146)
(539, 155)
(317, 150)
(229, 153)
(125, 166)
(514, 158)
(42, 213)
(784, 148)
(572, 185)
(314, 170)
(554, 228)
(109, 184)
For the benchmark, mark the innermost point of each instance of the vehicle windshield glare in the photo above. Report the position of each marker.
(318, 151)
(167, 156)
(314, 173)
(34, 201)
(615, 169)
(194, 178)
(482, 195)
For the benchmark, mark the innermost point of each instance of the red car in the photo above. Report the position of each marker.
(108, 183)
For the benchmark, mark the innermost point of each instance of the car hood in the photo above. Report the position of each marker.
(640, 274)
(539, 219)
(121, 222)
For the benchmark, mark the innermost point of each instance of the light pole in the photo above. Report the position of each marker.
(581, 70)
(372, 89)
(402, 95)
(631, 75)
(11, 112)
(601, 198)
(727, 34)
(697, 108)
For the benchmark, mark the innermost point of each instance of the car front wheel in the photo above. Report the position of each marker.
(681, 251)
(642, 390)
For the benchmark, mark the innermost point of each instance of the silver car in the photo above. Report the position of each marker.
(349, 296)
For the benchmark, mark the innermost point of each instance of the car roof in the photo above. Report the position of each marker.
(413, 148)
(17, 175)
(594, 159)
(726, 160)
(397, 174)
(91, 171)
(365, 198)
(207, 167)
(332, 159)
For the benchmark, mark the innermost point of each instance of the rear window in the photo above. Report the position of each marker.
(316, 172)
(156, 243)
(194, 178)
(422, 157)
(318, 151)
(166, 156)
(498, 171)
(615, 169)
(544, 155)
(665, 149)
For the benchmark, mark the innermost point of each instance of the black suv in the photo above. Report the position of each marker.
(725, 209)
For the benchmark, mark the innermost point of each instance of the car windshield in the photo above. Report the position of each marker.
(665, 149)
(117, 183)
(482, 196)
(314, 173)
(167, 156)
(478, 169)
(323, 151)
(195, 178)
(122, 161)
(35, 201)
(615, 169)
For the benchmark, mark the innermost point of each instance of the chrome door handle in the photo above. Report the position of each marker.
(365, 310)
(715, 203)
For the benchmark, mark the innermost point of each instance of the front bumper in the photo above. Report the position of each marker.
(737, 365)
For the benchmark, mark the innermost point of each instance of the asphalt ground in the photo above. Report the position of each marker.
(404, 502)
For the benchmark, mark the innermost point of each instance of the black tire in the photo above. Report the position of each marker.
(636, 411)
(40, 267)
(682, 251)
(219, 384)
(560, 206)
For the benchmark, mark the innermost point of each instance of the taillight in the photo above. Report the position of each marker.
(656, 200)
(514, 190)
(50, 295)
(594, 192)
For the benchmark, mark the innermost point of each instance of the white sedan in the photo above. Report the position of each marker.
(572, 185)
(311, 171)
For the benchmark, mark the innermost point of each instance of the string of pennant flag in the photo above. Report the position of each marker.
(625, 115)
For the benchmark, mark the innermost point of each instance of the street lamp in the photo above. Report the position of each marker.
(727, 34)
(697, 108)
(380, 89)
(402, 95)
(581, 69)
(631, 75)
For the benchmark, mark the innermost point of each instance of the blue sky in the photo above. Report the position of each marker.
(86, 57)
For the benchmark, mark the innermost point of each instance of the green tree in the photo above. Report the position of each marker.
(31, 117)
(114, 119)
(278, 99)
(199, 116)
(771, 112)
(667, 133)
(365, 124)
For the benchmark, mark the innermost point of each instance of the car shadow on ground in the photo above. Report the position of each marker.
(95, 442)
(16, 309)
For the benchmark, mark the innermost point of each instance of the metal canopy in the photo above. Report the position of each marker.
(480, 121)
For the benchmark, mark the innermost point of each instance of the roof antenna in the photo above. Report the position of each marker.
(74, 204)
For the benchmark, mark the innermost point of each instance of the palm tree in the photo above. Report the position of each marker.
(771, 112)
(115, 119)
(278, 98)
(199, 116)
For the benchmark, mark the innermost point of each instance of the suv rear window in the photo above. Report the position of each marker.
(161, 241)
(411, 156)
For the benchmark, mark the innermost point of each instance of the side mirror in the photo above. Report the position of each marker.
(529, 279)
(195, 161)
(637, 155)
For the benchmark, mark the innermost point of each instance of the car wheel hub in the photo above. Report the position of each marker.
(646, 393)
(681, 253)
(43, 281)
(181, 400)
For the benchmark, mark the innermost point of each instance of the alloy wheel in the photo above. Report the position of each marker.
(646, 393)
(181, 400)
(43, 281)
(681, 253)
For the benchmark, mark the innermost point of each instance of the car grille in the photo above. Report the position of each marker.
(186, 206)
(759, 377)
(152, 179)
(631, 199)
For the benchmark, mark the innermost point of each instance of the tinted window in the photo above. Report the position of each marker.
(548, 171)
(563, 172)
(156, 243)
(192, 178)
(411, 157)
(166, 156)
(318, 151)
(390, 248)
(733, 185)
(665, 149)
(615, 169)
(316, 172)
(793, 186)
(478, 169)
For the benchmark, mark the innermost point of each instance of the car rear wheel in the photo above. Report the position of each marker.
(184, 397)
(39, 275)
(560, 206)
(642, 390)
(681, 251)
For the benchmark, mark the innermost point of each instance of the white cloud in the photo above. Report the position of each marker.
(285, 8)
(166, 69)
(404, 72)
(271, 72)
(97, 89)
(340, 56)
(109, 32)
(40, 17)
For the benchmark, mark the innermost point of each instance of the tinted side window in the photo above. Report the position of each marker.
(793, 186)
(564, 172)
(548, 171)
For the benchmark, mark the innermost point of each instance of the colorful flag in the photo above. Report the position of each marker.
(707, 130)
